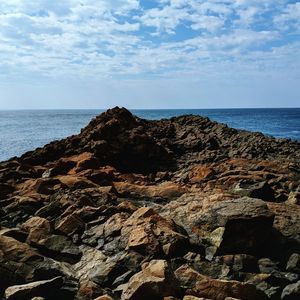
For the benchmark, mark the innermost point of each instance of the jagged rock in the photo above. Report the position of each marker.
(267, 266)
(37, 228)
(291, 292)
(293, 198)
(61, 167)
(145, 231)
(201, 173)
(70, 224)
(202, 286)
(45, 288)
(235, 226)
(240, 262)
(293, 264)
(13, 250)
(153, 282)
(259, 190)
(59, 247)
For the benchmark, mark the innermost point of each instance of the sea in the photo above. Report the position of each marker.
(25, 130)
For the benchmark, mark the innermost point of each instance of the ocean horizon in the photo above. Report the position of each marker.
(25, 130)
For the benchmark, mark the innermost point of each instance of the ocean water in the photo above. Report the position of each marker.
(25, 130)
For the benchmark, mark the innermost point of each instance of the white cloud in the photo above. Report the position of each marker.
(105, 38)
(290, 17)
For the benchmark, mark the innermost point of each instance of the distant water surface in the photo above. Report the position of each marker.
(25, 130)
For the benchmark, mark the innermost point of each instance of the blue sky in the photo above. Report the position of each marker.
(149, 53)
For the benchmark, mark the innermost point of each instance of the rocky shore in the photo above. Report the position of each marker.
(131, 209)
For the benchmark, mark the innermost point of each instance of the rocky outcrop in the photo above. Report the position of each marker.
(183, 208)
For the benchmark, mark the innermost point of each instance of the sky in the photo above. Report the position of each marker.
(149, 53)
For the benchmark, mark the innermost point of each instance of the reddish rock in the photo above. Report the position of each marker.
(70, 224)
(202, 286)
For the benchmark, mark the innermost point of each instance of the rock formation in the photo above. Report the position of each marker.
(130, 209)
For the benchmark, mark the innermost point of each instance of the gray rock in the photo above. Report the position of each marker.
(293, 264)
(235, 226)
(291, 292)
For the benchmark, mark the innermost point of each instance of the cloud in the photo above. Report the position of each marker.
(126, 39)
(289, 18)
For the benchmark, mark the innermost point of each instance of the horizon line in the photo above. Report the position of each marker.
(196, 108)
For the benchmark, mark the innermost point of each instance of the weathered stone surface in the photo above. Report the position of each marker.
(147, 232)
(153, 282)
(202, 286)
(291, 292)
(70, 224)
(38, 288)
(259, 190)
(235, 226)
(59, 247)
(37, 228)
(293, 264)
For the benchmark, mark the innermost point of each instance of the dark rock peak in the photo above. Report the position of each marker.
(118, 138)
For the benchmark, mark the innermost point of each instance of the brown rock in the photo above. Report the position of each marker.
(202, 286)
(38, 228)
(145, 231)
(153, 282)
(13, 250)
(70, 224)
(114, 224)
(201, 173)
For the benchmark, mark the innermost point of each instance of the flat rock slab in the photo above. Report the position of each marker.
(33, 289)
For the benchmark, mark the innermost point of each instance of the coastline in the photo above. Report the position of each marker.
(192, 201)
(23, 131)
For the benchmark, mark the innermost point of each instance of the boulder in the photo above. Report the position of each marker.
(206, 287)
(147, 232)
(61, 167)
(259, 190)
(13, 250)
(235, 226)
(293, 264)
(155, 281)
(37, 228)
(46, 288)
(59, 247)
(70, 224)
(291, 292)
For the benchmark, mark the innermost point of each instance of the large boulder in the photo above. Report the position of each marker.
(235, 226)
